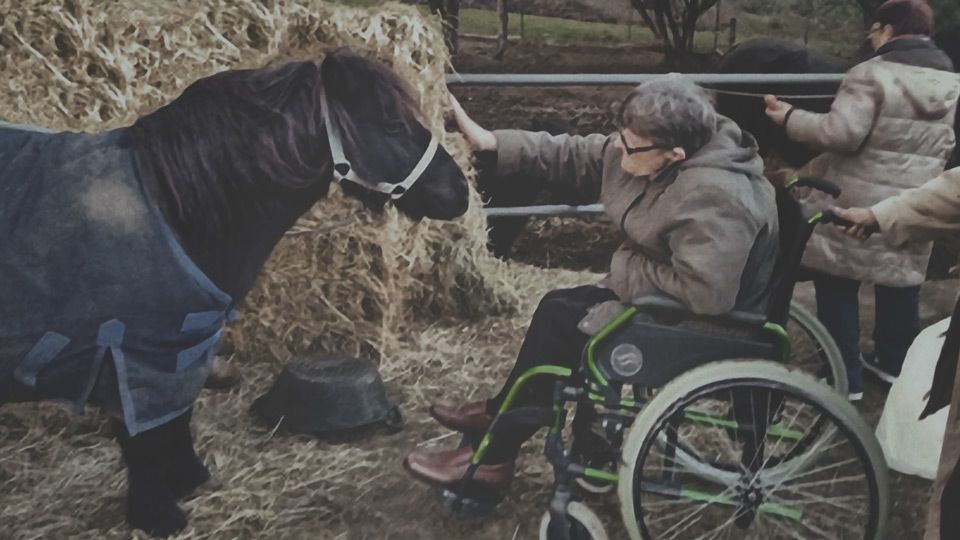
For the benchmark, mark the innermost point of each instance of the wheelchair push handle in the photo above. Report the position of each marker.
(829, 217)
(817, 183)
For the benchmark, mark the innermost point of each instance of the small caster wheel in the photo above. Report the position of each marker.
(582, 524)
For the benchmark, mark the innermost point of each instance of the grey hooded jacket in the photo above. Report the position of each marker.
(704, 232)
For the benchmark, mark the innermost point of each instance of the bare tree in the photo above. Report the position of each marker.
(673, 21)
(449, 11)
(504, 20)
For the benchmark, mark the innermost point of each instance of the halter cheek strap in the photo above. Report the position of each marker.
(343, 170)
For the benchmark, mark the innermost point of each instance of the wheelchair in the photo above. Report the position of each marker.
(706, 434)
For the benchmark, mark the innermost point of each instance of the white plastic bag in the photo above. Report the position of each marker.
(910, 445)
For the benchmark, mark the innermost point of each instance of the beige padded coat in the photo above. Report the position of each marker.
(890, 128)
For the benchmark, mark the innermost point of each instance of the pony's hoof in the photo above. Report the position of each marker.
(157, 516)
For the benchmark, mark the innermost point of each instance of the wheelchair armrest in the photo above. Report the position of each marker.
(671, 306)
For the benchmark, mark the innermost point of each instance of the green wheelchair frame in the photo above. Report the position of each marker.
(564, 394)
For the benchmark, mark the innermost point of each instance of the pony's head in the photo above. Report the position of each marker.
(388, 152)
(265, 128)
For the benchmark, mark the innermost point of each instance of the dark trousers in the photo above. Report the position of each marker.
(897, 322)
(552, 338)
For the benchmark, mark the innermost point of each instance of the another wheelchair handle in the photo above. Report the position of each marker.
(817, 183)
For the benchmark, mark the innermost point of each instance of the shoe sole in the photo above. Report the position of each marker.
(880, 374)
(458, 484)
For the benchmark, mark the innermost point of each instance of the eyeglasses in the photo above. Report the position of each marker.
(637, 149)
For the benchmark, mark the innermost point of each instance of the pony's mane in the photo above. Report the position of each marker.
(254, 126)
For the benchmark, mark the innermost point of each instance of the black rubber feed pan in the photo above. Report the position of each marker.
(328, 396)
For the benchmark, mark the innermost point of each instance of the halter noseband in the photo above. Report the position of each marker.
(343, 170)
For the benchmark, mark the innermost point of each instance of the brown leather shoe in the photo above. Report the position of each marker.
(469, 417)
(222, 375)
(447, 467)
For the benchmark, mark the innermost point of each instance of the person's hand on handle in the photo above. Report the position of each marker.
(864, 222)
(778, 111)
(477, 136)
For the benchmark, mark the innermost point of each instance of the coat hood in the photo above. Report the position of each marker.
(925, 75)
(730, 149)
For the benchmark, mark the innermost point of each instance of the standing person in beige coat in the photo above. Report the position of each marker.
(686, 189)
(890, 127)
(918, 215)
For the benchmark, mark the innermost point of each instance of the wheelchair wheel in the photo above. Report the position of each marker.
(582, 524)
(748, 421)
(813, 349)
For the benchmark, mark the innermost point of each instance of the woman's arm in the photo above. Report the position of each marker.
(848, 123)
(540, 157)
(919, 214)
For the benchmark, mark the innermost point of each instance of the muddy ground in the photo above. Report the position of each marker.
(299, 489)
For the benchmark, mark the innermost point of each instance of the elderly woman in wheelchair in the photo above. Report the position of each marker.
(667, 361)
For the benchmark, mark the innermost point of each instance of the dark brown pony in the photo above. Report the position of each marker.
(231, 164)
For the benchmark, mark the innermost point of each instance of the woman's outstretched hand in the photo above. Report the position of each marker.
(776, 110)
(478, 137)
(864, 222)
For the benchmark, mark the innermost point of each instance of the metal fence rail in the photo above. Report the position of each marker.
(544, 210)
(617, 79)
(614, 79)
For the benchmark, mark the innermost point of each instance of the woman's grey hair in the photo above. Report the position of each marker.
(671, 112)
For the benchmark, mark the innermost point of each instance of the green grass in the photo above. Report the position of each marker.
(539, 29)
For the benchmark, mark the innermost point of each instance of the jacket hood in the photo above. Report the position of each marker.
(730, 149)
(926, 75)
(920, 52)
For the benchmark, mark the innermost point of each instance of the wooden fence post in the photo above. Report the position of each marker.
(521, 22)
(716, 26)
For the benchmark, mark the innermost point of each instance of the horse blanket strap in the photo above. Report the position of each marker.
(343, 170)
(97, 298)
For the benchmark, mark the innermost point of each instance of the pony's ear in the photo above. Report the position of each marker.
(339, 79)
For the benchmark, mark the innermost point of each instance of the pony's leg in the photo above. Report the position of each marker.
(151, 505)
(186, 471)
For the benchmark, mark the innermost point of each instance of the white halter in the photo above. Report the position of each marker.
(343, 170)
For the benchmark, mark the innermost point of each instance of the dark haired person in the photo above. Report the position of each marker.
(686, 189)
(889, 129)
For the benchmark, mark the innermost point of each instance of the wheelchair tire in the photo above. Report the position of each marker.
(584, 525)
(774, 500)
(825, 360)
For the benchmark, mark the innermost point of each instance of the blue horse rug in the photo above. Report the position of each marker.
(89, 266)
